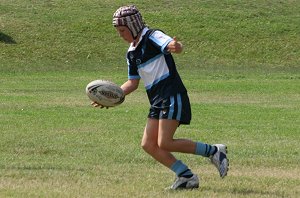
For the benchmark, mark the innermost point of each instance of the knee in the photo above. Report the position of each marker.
(149, 147)
(165, 145)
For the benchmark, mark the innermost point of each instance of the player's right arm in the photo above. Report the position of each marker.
(130, 85)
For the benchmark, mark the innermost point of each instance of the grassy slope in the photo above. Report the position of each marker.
(59, 35)
(241, 66)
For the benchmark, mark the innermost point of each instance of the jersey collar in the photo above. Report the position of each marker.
(131, 47)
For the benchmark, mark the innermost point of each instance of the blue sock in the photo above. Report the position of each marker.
(181, 169)
(205, 150)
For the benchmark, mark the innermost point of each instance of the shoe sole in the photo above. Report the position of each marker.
(227, 162)
(182, 188)
(188, 185)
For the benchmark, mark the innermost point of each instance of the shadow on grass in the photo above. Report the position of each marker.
(4, 38)
(241, 191)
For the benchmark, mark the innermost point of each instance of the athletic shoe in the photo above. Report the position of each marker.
(219, 159)
(185, 183)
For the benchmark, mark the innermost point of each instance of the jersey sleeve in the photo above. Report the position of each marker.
(132, 71)
(160, 40)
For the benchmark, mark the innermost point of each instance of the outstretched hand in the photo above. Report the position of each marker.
(175, 46)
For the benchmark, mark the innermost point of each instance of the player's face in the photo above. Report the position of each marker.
(125, 33)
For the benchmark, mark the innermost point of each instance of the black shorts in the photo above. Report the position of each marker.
(173, 108)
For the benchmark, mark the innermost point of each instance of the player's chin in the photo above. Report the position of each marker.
(128, 40)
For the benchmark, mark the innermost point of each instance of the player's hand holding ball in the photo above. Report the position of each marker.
(104, 93)
(95, 104)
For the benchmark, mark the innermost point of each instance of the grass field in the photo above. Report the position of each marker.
(241, 65)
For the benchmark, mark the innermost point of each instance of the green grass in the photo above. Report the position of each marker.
(241, 66)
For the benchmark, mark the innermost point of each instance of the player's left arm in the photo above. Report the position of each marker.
(175, 46)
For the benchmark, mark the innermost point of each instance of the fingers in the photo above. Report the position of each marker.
(175, 46)
(95, 104)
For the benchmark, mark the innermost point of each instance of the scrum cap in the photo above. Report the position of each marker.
(130, 17)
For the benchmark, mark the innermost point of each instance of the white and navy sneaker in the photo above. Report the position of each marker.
(219, 159)
(185, 183)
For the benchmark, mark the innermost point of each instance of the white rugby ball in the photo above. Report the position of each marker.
(105, 93)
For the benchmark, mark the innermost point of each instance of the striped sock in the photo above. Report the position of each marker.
(205, 150)
(181, 170)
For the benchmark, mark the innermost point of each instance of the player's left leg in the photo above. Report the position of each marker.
(177, 110)
(217, 153)
(166, 141)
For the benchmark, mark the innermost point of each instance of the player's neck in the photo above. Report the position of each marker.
(136, 41)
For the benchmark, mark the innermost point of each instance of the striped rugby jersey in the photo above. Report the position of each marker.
(151, 62)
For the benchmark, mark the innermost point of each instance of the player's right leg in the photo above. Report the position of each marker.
(149, 144)
(185, 179)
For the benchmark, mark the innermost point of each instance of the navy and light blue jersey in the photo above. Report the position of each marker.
(151, 62)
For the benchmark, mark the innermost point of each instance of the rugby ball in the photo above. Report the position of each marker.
(105, 93)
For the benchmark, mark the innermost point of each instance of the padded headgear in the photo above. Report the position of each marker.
(130, 17)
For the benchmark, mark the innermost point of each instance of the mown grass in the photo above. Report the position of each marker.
(241, 67)
(54, 144)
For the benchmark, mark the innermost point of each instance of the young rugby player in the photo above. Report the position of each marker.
(149, 58)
